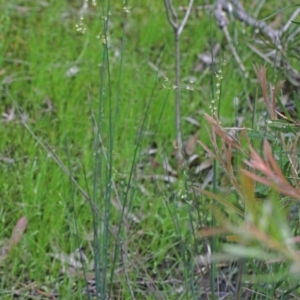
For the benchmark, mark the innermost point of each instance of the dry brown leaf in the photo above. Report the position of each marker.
(274, 177)
(190, 144)
(209, 232)
(225, 136)
(17, 233)
(271, 160)
(204, 165)
(193, 160)
(168, 168)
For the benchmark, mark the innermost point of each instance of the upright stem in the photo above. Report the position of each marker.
(177, 99)
(178, 28)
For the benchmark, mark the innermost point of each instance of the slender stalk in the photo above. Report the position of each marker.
(177, 28)
(177, 99)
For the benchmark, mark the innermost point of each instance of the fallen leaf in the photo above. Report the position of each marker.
(190, 144)
(18, 231)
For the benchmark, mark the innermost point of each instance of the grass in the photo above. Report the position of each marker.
(155, 257)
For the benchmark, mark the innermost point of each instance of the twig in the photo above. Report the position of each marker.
(171, 14)
(239, 12)
(236, 9)
(222, 23)
(187, 14)
(177, 28)
(233, 50)
(289, 22)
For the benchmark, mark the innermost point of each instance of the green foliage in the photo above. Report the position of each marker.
(99, 97)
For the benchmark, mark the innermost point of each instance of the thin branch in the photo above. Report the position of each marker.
(175, 16)
(289, 22)
(187, 14)
(236, 9)
(293, 35)
(170, 14)
(173, 20)
(233, 50)
(239, 12)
